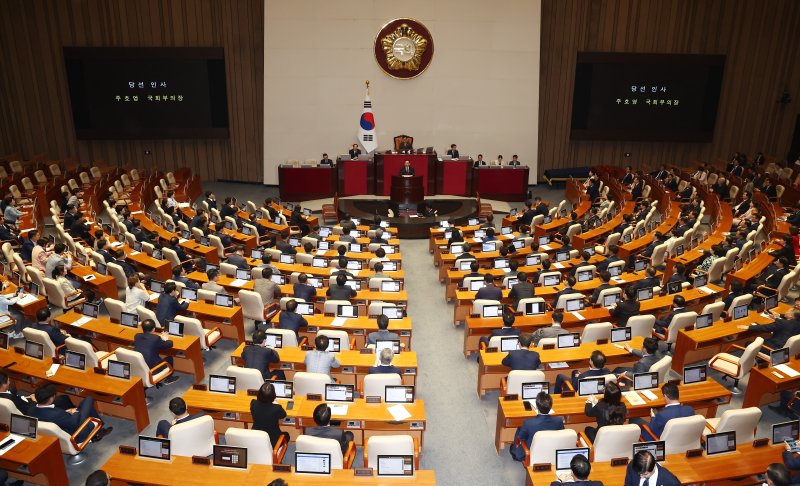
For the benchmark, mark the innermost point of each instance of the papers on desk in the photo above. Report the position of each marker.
(633, 398)
(5, 318)
(182, 240)
(558, 265)
(183, 205)
(578, 315)
(545, 247)
(321, 252)
(705, 290)
(137, 212)
(649, 395)
(152, 297)
(617, 280)
(52, 370)
(28, 299)
(785, 369)
(507, 270)
(339, 409)
(133, 253)
(116, 244)
(399, 412)
(9, 442)
(83, 320)
(88, 278)
(557, 365)
(238, 282)
(478, 239)
(338, 321)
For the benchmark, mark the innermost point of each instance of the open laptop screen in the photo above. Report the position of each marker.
(564, 457)
(720, 443)
(785, 430)
(396, 465)
(656, 448)
(694, 374)
(230, 456)
(154, 447)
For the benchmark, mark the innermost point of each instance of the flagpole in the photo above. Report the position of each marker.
(368, 87)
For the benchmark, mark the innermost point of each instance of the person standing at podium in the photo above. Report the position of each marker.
(326, 161)
(355, 152)
(453, 152)
(515, 161)
(407, 170)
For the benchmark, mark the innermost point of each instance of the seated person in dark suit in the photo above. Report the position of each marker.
(304, 291)
(613, 250)
(383, 333)
(385, 364)
(178, 408)
(118, 258)
(407, 170)
(523, 358)
(340, 291)
(67, 420)
(527, 216)
(406, 147)
(168, 304)
(323, 429)
(772, 276)
(609, 410)
(542, 421)
(597, 367)
(237, 259)
(605, 278)
(150, 346)
(579, 467)
(489, 291)
(46, 325)
(466, 253)
(267, 414)
(649, 281)
(507, 330)
(179, 275)
(672, 409)
(290, 319)
(678, 307)
(782, 329)
(258, 356)
(627, 308)
(648, 356)
(521, 290)
(644, 471)
(568, 289)
(473, 270)
(354, 151)
(514, 162)
(479, 161)
(453, 152)
(326, 161)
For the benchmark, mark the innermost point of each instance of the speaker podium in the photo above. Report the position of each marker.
(407, 191)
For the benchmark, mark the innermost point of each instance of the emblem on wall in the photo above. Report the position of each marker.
(403, 48)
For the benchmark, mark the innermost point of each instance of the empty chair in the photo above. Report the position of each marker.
(288, 337)
(612, 441)
(715, 272)
(69, 443)
(150, 376)
(389, 445)
(193, 438)
(661, 367)
(642, 325)
(94, 358)
(595, 331)
(7, 407)
(308, 443)
(252, 306)
(374, 385)
(682, 434)
(734, 366)
(542, 276)
(246, 378)
(193, 327)
(314, 383)
(745, 299)
(512, 384)
(743, 421)
(254, 441)
(715, 309)
(331, 306)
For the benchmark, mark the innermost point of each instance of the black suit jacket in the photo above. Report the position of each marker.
(267, 417)
(596, 293)
(665, 478)
(23, 406)
(305, 292)
(259, 358)
(354, 153)
(586, 482)
(151, 345)
(624, 311)
(522, 359)
(65, 421)
(407, 170)
(781, 329)
(522, 290)
(53, 332)
(490, 292)
(380, 369)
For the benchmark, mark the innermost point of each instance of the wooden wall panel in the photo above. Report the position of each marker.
(763, 58)
(35, 113)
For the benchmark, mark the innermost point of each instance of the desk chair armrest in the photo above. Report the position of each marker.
(659, 336)
(521, 443)
(352, 344)
(647, 429)
(624, 376)
(583, 441)
(349, 455)
(59, 348)
(764, 291)
(100, 360)
(734, 346)
(481, 346)
(710, 427)
(503, 385)
(566, 385)
(157, 369)
(727, 360)
(209, 343)
(271, 311)
(97, 425)
(279, 450)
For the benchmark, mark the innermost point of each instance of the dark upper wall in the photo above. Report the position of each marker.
(34, 103)
(763, 56)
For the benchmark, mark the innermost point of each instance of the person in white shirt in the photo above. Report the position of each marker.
(135, 294)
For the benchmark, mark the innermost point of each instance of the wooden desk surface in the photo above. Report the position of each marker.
(125, 469)
(295, 355)
(578, 353)
(754, 268)
(764, 385)
(42, 457)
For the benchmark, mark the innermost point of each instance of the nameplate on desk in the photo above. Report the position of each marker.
(371, 399)
(619, 461)
(330, 314)
(474, 316)
(201, 460)
(4, 428)
(517, 314)
(284, 468)
(360, 332)
(542, 467)
(602, 341)
(289, 421)
(405, 333)
(567, 393)
(492, 349)
(510, 397)
(348, 369)
(312, 329)
(762, 364)
(367, 351)
(127, 450)
(306, 347)
(252, 393)
(362, 471)
(354, 424)
(200, 387)
(314, 397)
(416, 425)
(286, 366)
(760, 443)
(694, 453)
(19, 350)
(100, 370)
(409, 371)
(548, 346)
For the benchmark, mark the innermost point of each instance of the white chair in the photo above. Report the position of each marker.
(115, 308)
(7, 407)
(678, 322)
(659, 255)
(145, 313)
(344, 338)
(612, 441)
(252, 306)
(314, 383)
(606, 292)
(564, 298)
(193, 438)
(227, 269)
(36, 276)
(150, 376)
(793, 343)
(331, 306)
(530, 300)
(118, 273)
(642, 325)
(307, 443)
(288, 337)
(715, 309)
(56, 296)
(548, 274)
(254, 441)
(734, 366)
(595, 331)
(374, 385)
(479, 304)
(745, 299)
(93, 358)
(716, 270)
(743, 421)
(512, 384)
(545, 444)
(387, 445)
(69, 443)
(682, 434)
(193, 327)
(661, 367)
(41, 337)
(246, 378)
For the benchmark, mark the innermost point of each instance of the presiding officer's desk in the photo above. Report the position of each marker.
(36, 461)
(765, 384)
(362, 418)
(718, 469)
(491, 370)
(113, 396)
(353, 366)
(704, 397)
(107, 336)
(136, 470)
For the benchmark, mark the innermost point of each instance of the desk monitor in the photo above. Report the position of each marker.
(532, 389)
(210, 266)
(389, 249)
(23, 425)
(229, 224)
(337, 392)
(547, 219)
(475, 285)
(305, 308)
(3, 340)
(33, 289)
(562, 256)
(393, 344)
(277, 278)
(189, 294)
(389, 266)
(615, 270)
(392, 311)
(348, 311)
(511, 282)
(205, 241)
(325, 231)
(533, 260)
(247, 231)
(222, 384)
(770, 302)
(501, 263)
(610, 299)
(395, 465)
(488, 246)
(779, 357)
(700, 280)
(34, 349)
(534, 308)
(785, 430)
(353, 284)
(473, 222)
(272, 340)
(156, 254)
(679, 250)
(492, 310)
(355, 234)
(101, 268)
(568, 340)
(591, 386)
(354, 265)
(640, 233)
(506, 230)
(480, 233)
(175, 328)
(620, 334)
(384, 224)
(564, 457)
(230, 456)
(315, 282)
(318, 262)
(456, 249)
(256, 254)
(627, 237)
(585, 275)
(550, 280)
(129, 319)
(510, 343)
(90, 310)
(223, 300)
(720, 443)
(154, 447)
(119, 369)
(288, 259)
(464, 264)
(645, 293)
(704, 320)
(657, 448)
(673, 287)
(137, 246)
(518, 244)
(334, 345)
(448, 234)
(740, 312)
(639, 265)
(573, 305)
(513, 212)
(243, 274)
(283, 389)
(544, 240)
(75, 360)
(399, 394)
(645, 381)
(589, 250)
(694, 374)
(390, 286)
(324, 245)
(156, 286)
(355, 247)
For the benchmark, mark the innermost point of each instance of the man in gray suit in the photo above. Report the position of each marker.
(383, 333)
(521, 290)
(323, 429)
(648, 356)
(552, 331)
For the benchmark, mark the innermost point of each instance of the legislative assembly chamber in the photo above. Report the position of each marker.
(455, 242)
